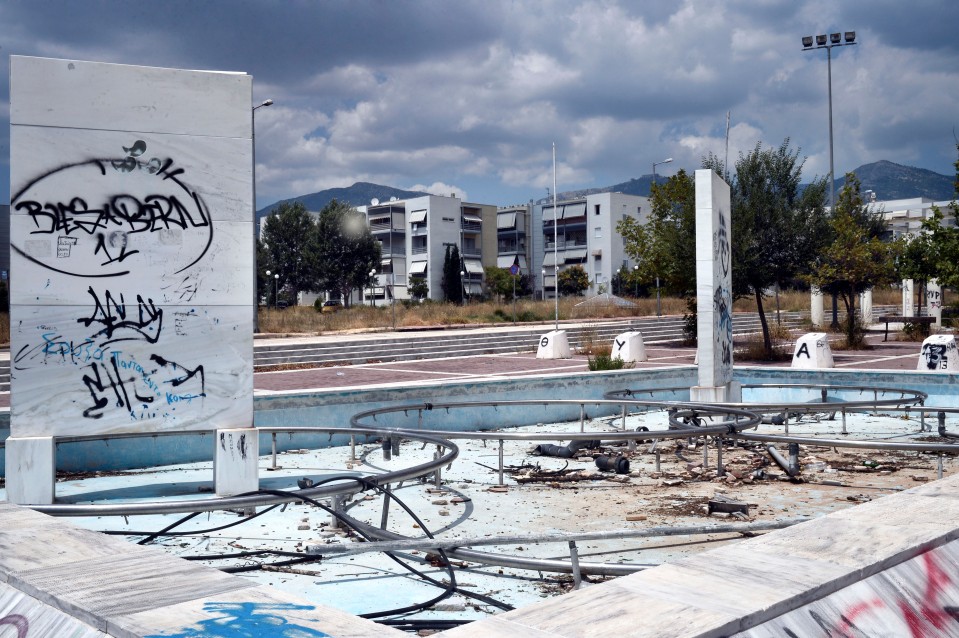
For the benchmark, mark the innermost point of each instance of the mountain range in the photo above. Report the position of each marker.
(887, 180)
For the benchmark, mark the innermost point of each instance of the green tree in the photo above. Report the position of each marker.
(573, 281)
(665, 246)
(937, 253)
(452, 282)
(775, 227)
(288, 248)
(346, 250)
(418, 288)
(501, 283)
(856, 259)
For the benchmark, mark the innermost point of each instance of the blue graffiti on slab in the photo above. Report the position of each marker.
(248, 620)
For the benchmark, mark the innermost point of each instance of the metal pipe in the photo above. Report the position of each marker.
(574, 565)
(273, 437)
(500, 462)
(780, 461)
(454, 547)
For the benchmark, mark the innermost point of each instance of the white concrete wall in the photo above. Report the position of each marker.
(132, 249)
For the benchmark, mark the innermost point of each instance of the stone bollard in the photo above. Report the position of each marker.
(812, 352)
(629, 346)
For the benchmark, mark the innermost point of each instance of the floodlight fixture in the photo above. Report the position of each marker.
(821, 40)
(807, 41)
(850, 37)
(835, 38)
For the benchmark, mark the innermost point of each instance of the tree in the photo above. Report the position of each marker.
(418, 288)
(856, 259)
(501, 283)
(934, 254)
(775, 227)
(452, 281)
(346, 250)
(665, 247)
(288, 248)
(573, 281)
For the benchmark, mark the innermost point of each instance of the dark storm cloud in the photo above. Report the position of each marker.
(475, 92)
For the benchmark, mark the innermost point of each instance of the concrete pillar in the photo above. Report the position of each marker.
(30, 470)
(908, 306)
(939, 354)
(816, 312)
(235, 469)
(629, 346)
(714, 324)
(553, 345)
(934, 301)
(812, 351)
(865, 307)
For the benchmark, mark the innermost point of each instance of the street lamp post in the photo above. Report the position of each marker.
(828, 42)
(256, 295)
(269, 275)
(636, 281)
(655, 164)
(463, 284)
(659, 308)
(373, 288)
(276, 291)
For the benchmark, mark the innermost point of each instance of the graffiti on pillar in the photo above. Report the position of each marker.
(722, 299)
(935, 356)
(934, 297)
(91, 200)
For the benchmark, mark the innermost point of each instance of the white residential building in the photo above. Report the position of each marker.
(584, 233)
(413, 235)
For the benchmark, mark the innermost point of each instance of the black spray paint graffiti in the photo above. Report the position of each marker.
(173, 208)
(18, 622)
(722, 299)
(168, 384)
(112, 315)
(935, 356)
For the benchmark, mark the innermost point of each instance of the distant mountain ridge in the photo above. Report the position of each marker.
(886, 179)
(359, 194)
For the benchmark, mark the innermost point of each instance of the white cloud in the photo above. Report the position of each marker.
(439, 188)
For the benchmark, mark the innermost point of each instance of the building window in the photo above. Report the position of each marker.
(599, 232)
(596, 209)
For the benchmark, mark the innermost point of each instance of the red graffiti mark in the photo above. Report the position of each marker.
(931, 613)
(849, 618)
(19, 622)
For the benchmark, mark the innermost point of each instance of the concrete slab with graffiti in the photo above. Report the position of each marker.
(59, 580)
(131, 233)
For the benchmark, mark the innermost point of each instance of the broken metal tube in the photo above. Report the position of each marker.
(780, 461)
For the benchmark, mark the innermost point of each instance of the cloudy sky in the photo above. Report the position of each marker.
(468, 96)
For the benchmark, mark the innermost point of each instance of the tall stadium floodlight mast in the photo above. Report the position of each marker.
(811, 43)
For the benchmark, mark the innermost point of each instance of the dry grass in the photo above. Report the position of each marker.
(306, 320)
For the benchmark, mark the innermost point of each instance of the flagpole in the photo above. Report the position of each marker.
(555, 242)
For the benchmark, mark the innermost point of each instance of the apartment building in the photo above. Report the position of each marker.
(582, 232)
(414, 234)
(513, 230)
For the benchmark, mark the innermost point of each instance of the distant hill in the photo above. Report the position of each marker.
(359, 194)
(894, 181)
(887, 179)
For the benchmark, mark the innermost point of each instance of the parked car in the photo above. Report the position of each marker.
(332, 305)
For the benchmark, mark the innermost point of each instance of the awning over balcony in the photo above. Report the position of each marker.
(476, 219)
(417, 216)
(549, 259)
(505, 261)
(506, 221)
(574, 210)
(473, 266)
(574, 256)
(418, 268)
